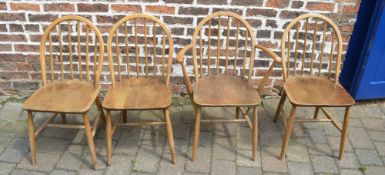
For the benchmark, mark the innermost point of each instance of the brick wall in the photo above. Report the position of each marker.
(23, 22)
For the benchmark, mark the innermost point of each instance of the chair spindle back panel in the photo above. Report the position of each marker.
(71, 48)
(223, 44)
(140, 46)
(311, 45)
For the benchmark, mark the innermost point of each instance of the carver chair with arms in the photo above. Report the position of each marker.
(223, 48)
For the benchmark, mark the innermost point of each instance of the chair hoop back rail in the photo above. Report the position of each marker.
(80, 34)
(220, 81)
(165, 55)
(307, 85)
(141, 81)
(322, 27)
(76, 95)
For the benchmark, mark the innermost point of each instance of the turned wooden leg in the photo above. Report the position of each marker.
(63, 118)
(237, 111)
(90, 139)
(170, 135)
(109, 137)
(196, 132)
(100, 108)
(344, 133)
(316, 112)
(255, 132)
(32, 139)
(288, 130)
(124, 113)
(280, 106)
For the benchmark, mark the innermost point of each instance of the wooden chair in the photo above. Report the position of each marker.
(143, 63)
(73, 77)
(223, 69)
(312, 81)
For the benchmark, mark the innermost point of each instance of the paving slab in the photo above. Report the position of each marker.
(12, 112)
(15, 151)
(248, 170)
(298, 168)
(223, 167)
(368, 157)
(324, 164)
(45, 162)
(270, 160)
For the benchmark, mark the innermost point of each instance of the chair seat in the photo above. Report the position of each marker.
(225, 91)
(316, 91)
(138, 93)
(67, 96)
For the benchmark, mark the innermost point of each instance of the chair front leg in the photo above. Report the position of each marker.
(280, 106)
(32, 139)
(255, 132)
(108, 137)
(288, 130)
(170, 135)
(90, 139)
(344, 133)
(196, 131)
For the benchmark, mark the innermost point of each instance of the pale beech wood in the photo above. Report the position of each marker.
(31, 136)
(140, 92)
(344, 133)
(280, 106)
(296, 49)
(225, 91)
(236, 47)
(170, 135)
(65, 96)
(118, 55)
(215, 90)
(127, 52)
(87, 55)
(288, 129)
(108, 137)
(224, 121)
(246, 117)
(314, 90)
(90, 139)
(196, 132)
(255, 129)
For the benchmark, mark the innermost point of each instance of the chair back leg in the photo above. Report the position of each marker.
(344, 133)
(196, 132)
(288, 130)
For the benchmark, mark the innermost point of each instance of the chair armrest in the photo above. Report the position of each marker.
(180, 60)
(273, 55)
(276, 59)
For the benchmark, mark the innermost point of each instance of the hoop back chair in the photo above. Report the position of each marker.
(71, 56)
(311, 58)
(222, 70)
(140, 48)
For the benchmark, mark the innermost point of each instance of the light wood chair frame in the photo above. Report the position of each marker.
(253, 124)
(111, 126)
(90, 130)
(288, 123)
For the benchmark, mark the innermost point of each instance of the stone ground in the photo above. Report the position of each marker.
(223, 148)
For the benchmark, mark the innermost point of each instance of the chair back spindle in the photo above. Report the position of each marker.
(222, 44)
(146, 45)
(58, 48)
(316, 38)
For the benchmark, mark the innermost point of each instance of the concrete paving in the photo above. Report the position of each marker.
(223, 149)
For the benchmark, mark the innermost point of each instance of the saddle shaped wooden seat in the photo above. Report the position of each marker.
(316, 91)
(60, 96)
(137, 93)
(225, 91)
